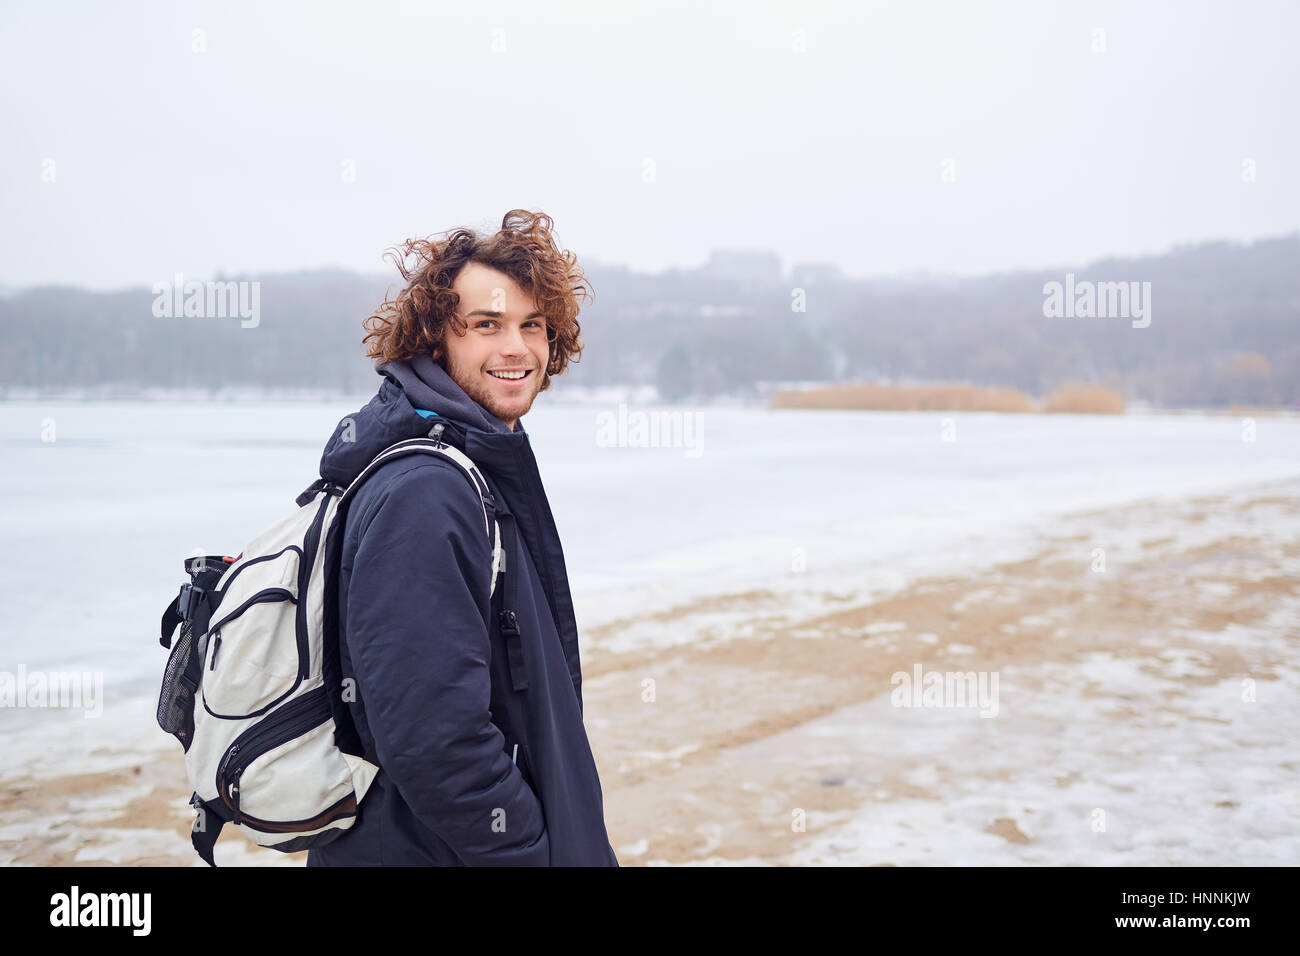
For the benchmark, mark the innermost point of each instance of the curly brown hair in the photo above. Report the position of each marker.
(415, 321)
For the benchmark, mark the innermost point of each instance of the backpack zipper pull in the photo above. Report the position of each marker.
(215, 648)
(233, 789)
(231, 784)
(230, 755)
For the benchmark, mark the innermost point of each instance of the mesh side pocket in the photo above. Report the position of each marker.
(176, 701)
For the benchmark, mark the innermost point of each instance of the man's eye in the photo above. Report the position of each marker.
(490, 322)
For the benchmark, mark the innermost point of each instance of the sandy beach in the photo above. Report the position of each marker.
(1145, 715)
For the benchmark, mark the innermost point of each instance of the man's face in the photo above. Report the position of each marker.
(506, 333)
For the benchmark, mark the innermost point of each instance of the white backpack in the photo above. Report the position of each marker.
(253, 689)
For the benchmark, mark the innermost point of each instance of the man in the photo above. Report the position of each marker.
(483, 760)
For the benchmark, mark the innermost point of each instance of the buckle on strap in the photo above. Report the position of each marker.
(509, 623)
(188, 601)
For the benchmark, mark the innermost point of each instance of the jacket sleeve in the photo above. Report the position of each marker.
(420, 650)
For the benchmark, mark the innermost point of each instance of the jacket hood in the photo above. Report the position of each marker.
(428, 386)
(391, 417)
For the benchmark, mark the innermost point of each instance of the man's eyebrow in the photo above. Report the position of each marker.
(496, 315)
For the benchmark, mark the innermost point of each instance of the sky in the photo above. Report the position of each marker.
(140, 140)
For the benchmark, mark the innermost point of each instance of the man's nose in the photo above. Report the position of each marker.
(514, 342)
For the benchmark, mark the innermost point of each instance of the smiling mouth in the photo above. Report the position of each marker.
(511, 377)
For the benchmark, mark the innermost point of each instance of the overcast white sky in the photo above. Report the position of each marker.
(169, 160)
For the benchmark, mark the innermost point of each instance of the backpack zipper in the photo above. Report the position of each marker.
(261, 597)
(266, 596)
(293, 720)
(258, 560)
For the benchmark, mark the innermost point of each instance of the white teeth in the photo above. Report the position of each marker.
(508, 374)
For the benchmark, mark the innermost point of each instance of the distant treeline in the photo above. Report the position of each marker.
(1222, 327)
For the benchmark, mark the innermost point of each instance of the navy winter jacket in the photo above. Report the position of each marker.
(435, 702)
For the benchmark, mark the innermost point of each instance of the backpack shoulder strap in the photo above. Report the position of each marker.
(507, 619)
(434, 445)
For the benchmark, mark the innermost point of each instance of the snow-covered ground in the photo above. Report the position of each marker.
(101, 501)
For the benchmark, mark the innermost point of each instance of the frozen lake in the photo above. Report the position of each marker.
(101, 501)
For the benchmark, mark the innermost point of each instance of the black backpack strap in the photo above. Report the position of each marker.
(346, 736)
(315, 488)
(213, 815)
(170, 619)
(507, 619)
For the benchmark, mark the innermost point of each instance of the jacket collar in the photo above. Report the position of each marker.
(391, 417)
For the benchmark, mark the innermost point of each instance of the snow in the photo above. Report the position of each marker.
(796, 511)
